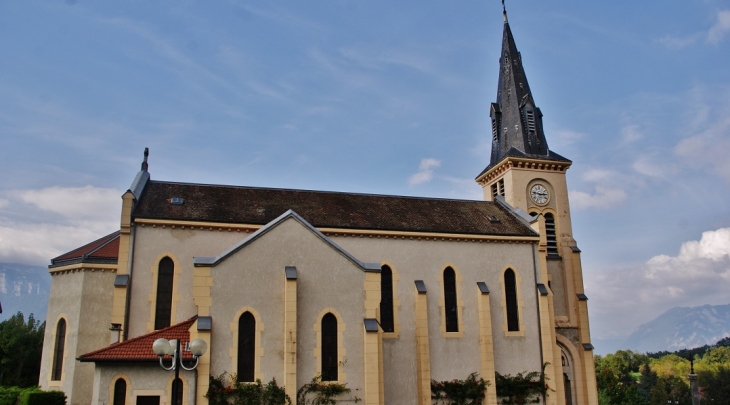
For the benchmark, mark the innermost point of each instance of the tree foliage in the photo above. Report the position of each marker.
(21, 345)
(626, 377)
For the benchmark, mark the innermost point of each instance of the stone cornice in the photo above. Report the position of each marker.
(521, 163)
(77, 267)
(338, 232)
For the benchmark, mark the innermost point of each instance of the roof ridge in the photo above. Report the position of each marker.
(299, 190)
(111, 239)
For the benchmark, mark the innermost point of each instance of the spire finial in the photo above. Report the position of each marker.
(144, 162)
(504, 12)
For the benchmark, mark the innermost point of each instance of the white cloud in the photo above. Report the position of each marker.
(602, 197)
(74, 202)
(631, 133)
(710, 148)
(675, 43)
(699, 274)
(605, 194)
(568, 136)
(721, 27)
(425, 171)
(646, 166)
(37, 225)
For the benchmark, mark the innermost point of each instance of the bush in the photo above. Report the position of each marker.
(34, 396)
(9, 395)
(459, 392)
(226, 390)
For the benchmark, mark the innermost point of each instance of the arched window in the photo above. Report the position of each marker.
(552, 240)
(120, 392)
(246, 347)
(510, 291)
(177, 386)
(329, 347)
(163, 308)
(386, 299)
(452, 316)
(58, 352)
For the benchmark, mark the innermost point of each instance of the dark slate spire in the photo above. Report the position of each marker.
(516, 121)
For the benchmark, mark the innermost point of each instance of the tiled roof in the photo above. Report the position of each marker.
(140, 348)
(103, 250)
(259, 206)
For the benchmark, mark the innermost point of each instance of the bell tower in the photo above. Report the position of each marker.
(524, 173)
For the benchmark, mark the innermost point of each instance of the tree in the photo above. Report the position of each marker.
(21, 345)
(647, 382)
(716, 386)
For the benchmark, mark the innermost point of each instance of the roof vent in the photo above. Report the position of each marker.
(176, 201)
(493, 219)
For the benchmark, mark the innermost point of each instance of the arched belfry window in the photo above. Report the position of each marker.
(386, 299)
(59, 350)
(329, 347)
(246, 347)
(452, 316)
(510, 292)
(550, 235)
(163, 307)
(120, 392)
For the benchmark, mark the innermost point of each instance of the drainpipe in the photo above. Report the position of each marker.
(539, 326)
(130, 266)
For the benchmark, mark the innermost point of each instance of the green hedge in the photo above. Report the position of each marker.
(9, 395)
(38, 397)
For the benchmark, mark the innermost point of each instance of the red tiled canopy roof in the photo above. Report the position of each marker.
(140, 348)
(103, 250)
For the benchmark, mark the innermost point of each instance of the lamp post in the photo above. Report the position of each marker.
(163, 347)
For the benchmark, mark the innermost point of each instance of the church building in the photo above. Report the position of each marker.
(381, 293)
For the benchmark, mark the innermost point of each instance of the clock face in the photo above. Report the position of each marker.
(539, 194)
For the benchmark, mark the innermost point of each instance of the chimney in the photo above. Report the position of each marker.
(116, 333)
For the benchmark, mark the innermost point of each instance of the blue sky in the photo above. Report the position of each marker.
(379, 97)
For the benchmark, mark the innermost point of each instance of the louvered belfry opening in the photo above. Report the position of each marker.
(329, 348)
(552, 239)
(120, 392)
(510, 287)
(163, 307)
(452, 316)
(386, 299)
(246, 347)
(58, 352)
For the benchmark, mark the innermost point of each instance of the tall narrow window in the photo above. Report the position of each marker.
(58, 352)
(163, 308)
(120, 392)
(501, 187)
(329, 347)
(552, 239)
(510, 291)
(246, 347)
(386, 299)
(177, 386)
(452, 316)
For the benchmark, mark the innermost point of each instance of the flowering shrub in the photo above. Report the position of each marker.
(226, 390)
(522, 388)
(318, 392)
(459, 392)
